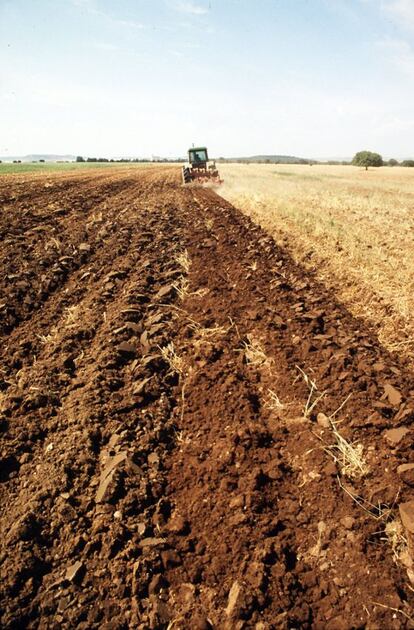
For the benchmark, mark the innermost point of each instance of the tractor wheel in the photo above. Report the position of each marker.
(186, 175)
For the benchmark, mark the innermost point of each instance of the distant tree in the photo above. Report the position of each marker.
(392, 162)
(367, 158)
(79, 158)
(407, 163)
(41, 160)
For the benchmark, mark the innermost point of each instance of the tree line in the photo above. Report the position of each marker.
(362, 158)
(369, 158)
(80, 158)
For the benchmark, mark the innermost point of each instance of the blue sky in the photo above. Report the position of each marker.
(315, 78)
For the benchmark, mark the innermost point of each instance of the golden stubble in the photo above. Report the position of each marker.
(353, 228)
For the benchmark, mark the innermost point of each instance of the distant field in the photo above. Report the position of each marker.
(28, 167)
(353, 228)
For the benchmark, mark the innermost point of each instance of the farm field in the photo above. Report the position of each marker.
(43, 168)
(195, 431)
(352, 228)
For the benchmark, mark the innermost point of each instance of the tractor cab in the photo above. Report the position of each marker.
(198, 157)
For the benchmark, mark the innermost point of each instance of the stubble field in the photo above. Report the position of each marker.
(195, 432)
(354, 229)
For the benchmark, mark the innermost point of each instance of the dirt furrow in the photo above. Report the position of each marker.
(172, 418)
(271, 511)
(57, 423)
(57, 240)
(38, 187)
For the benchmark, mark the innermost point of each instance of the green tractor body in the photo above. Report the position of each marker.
(199, 168)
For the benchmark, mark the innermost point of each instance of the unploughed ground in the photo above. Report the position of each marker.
(351, 227)
(163, 463)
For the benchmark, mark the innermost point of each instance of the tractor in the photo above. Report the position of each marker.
(199, 169)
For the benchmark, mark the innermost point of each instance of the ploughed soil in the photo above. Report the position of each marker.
(194, 434)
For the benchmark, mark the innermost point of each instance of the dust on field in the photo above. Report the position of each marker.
(353, 228)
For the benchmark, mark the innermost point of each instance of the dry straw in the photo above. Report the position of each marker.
(353, 228)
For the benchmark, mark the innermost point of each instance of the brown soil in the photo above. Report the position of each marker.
(157, 466)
